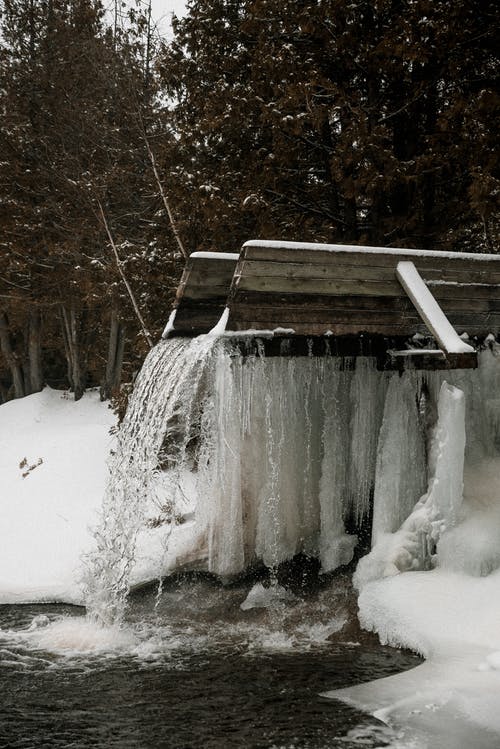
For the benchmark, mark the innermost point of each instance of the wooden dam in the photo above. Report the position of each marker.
(405, 307)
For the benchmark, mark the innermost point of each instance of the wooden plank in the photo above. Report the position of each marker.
(337, 287)
(367, 269)
(347, 288)
(272, 299)
(317, 315)
(336, 329)
(428, 361)
(472, 292)
(200, 306)
(429, 310)
(205, 292)
(210, 275)
(380, 257)
(271, 318)
(202, 293)
(209, 264)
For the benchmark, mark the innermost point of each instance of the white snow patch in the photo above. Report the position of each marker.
(169, 327)
(53, 472)
(216, 255)
(277, 244)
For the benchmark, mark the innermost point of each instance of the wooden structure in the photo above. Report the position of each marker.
(364, 300)
(202, 292)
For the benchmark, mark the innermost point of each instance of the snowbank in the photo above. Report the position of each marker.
(53, 472)
(451, 616)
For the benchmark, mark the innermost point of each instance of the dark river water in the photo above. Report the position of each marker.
(191, 670)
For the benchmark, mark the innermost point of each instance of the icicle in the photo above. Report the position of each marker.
(412, 546)
(401, 474)
(447, 458)
(225, 544)
(336, 547)
(366, 400)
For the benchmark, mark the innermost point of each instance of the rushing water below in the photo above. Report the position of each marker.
(193, 672)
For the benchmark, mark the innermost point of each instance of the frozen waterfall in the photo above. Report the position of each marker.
(282, 455)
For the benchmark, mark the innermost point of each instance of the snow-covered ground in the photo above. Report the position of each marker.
(52, 477)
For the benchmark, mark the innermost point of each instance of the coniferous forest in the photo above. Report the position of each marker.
(366, 122)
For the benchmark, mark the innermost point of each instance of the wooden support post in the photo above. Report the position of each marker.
(430, 311)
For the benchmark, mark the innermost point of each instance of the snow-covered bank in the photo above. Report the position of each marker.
(450, 615)
(452, 700)
(53, 472)
(52, 476)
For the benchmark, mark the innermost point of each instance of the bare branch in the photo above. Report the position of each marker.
(119, 265)
(163, 195)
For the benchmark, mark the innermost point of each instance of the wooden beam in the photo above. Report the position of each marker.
(429, 310)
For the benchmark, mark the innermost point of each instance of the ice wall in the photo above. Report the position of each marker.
(283, 454)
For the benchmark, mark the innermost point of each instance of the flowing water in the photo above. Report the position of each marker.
(195, 672)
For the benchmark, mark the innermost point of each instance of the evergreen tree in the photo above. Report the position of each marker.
(74, 99)
(368, 121)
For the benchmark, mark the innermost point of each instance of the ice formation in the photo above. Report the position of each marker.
(283, 455)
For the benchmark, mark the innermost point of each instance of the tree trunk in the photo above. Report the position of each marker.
(73, 351)
(11, 358)
(35, 351)
(114, 362)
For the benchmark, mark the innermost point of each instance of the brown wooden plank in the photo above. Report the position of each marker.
(313, 313)
(312, 286)
(210, 276)
(188, 311)
(210, 264)
(351, 287)
(389, 324)
(318, 315)
(205, 292)
(272, 299)
(378, 258)
(478, 273)
(313, 329)
(472, 292)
